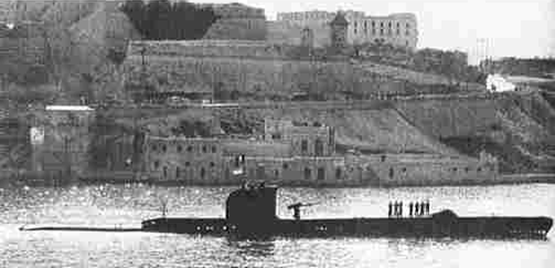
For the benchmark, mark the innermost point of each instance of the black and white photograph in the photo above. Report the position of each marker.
(277, 133)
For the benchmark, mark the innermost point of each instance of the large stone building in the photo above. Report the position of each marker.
(290, 153)
(301, 154)
(400, 30)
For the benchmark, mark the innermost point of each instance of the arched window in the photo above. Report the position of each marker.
(189, 148)
(177, 172)
(165, 171)
(285, 166)
(391, 173)
(164, 148)
(338, 173)
(202, 172)
(204, 149)
(179, 148)
(214, 149)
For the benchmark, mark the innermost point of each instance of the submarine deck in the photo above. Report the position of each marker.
(404, 227)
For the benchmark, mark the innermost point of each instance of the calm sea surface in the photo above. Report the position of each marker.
(127, 205)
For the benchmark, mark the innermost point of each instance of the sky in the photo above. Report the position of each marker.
(496, 28)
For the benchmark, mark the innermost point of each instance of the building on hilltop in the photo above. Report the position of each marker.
(399, 30)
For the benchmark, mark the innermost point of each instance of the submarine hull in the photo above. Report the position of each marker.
(463, 227)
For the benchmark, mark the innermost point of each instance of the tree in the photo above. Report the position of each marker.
(162, 20)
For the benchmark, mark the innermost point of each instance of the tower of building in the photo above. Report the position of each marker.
(339, 26)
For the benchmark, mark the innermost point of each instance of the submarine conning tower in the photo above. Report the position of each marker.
(252, 208)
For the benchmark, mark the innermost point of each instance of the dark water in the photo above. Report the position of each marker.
(127, 205)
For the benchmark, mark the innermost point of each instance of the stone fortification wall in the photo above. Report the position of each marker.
(290, 33)
(262, 68)
(266, 77)
(205, 48)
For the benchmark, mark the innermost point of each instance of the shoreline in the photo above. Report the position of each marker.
(34, 179)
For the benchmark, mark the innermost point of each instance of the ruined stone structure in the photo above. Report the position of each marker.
(237, 21)
(397, 29)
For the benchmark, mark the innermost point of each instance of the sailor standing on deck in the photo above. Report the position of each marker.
(401, 209)
(422, 208)
(416, 209)
(427, 208)
(390, 211)
(410, 209)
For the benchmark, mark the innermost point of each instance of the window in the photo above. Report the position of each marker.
(307, 174)
(177, 171)
(214, 149)
(156, 164)
(381, 24)
(285, 166)
(165, 171)
(179, 148)
(276, 173)
(276, 136)
(212, 164)
(381, 31)
(204, 149)
(319, 147)
(338, 173)
(391, 173)
(187, 164)
(321, 174)
(304, 146)
(164, 148)
(407, 32)
(189, 148)
(398, 32)
(404, 169)
(202, 172)
(389, 25)
(408, 26)
(479, 169)
(154, 147)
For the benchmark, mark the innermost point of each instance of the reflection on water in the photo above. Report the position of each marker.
(106, 205)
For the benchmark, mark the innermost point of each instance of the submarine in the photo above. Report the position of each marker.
(250, 212)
